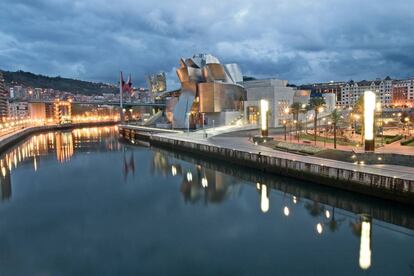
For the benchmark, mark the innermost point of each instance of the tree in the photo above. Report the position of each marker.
(316, 104)
(359, 109)
(295, 109)
(335, 116)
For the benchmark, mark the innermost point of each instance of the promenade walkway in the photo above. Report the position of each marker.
(395, 147)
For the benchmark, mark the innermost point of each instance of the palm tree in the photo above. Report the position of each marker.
(316, 104)
(335, 116)
(334, 223)
(359, 109)
(295, 109)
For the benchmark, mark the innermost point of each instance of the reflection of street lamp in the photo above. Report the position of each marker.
(365, 244)
(264, 199)
(173, 170)
(369, 109)
(204, 182)
(319, 228)
(286, 211)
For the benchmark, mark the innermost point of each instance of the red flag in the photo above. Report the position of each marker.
(126, 86)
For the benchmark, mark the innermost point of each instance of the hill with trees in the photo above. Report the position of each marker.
(28, 79)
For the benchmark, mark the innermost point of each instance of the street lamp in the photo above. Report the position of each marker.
(326, 133)
(264, 108)
(407, 121)
(188, 123)
(369, 110)
(284, 125)
(296, 127)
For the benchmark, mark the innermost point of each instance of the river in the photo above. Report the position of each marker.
(80, 202)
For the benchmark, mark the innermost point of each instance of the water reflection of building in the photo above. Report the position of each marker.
(209, 185)
(64, 146)
(5, 183)
(64, 143)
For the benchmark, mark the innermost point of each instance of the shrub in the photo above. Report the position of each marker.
(393, 139)
(406, 142)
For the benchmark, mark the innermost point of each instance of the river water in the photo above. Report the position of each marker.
(82, 203)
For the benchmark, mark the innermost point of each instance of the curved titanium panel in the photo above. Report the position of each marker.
(218, 97)
(213, 72)
(182, 74)
(234, 72)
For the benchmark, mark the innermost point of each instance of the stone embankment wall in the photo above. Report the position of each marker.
(392, 188)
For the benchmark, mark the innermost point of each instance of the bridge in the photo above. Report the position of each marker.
(160, 104)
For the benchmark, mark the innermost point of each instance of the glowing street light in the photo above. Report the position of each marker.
(369, 110)
(264, 108)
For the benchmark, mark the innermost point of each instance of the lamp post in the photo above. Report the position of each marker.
(407, 121)
(188, 123)
(264, 108)
(326, 132)
(296, 128)
(369, 112)
(284, 125)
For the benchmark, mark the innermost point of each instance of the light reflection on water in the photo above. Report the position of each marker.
(199, 217)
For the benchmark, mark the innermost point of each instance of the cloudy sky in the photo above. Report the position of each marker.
(298, 40)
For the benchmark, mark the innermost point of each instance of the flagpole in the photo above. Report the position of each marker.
(121, 96)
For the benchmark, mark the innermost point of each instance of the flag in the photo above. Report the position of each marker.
(126, 86)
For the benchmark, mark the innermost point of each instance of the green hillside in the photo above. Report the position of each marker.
(28, 79)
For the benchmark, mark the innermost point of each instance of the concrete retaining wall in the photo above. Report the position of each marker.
(391, 188)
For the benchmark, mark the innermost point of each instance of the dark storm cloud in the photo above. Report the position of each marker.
(298, 40)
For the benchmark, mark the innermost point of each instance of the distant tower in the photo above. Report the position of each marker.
(157, 82)
(3, 99)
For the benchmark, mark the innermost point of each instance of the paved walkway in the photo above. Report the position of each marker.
(245, 145)
(387, 148)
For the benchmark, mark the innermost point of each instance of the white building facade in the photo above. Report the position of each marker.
(18, 110)
(276, 92)
(352, 91)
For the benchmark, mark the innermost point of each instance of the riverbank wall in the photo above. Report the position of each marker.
(398, 214)
(379, 185)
